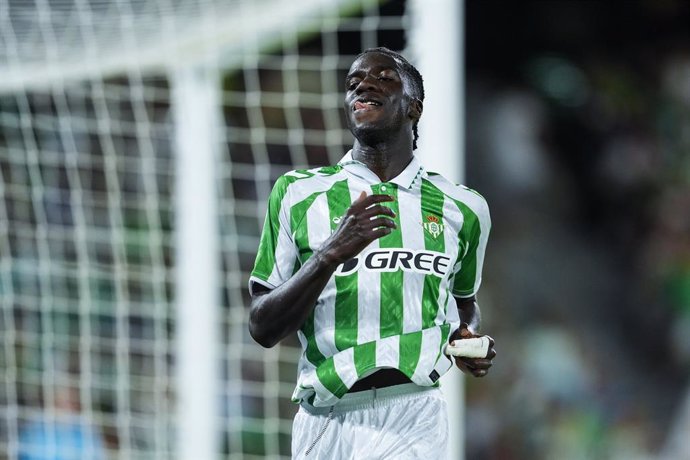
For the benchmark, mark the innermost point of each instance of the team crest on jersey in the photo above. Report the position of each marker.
(433, 225)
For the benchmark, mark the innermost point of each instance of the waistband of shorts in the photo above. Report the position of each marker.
(366, 399)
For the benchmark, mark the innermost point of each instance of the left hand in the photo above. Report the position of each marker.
(478, 367)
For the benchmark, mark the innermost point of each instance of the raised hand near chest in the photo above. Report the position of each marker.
(366, 220)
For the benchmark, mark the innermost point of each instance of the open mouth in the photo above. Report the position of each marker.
(365, 104)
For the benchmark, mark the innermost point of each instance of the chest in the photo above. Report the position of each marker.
(429, 234)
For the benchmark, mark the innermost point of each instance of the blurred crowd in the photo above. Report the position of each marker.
(579, 136)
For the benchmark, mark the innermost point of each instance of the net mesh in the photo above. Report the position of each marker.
(87, 291)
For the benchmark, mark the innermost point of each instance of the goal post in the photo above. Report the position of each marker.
(436, 45)
(196, 106)
(139, 140)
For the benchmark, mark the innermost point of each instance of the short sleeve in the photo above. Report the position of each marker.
(277, 255)
(476, 228)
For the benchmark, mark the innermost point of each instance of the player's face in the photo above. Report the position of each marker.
(374, 93)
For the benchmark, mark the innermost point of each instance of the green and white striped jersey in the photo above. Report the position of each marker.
(392, 306)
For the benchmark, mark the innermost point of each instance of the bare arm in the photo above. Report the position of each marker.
(278, 312)
(470, 313)
(471, 319)
(275, 314)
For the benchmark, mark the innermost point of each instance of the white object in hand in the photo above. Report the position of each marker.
(476, 347)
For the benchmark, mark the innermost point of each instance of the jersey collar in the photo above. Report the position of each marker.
(411, 175)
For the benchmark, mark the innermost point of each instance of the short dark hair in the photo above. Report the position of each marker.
(413, 77)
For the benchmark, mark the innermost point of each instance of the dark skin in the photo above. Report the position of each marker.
(383, 133)
(381, 115)
(470, 317)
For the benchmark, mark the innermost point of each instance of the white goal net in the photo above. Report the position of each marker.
(97, 100)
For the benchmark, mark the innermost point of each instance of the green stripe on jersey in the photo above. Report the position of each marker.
(410, 351)
(365, 357)
(431, 211)
(468, 236)
(329, 378)
(432, 208)
(297, 216)
(445, 332)
(346, 286)
(266, 257)
(391, 322)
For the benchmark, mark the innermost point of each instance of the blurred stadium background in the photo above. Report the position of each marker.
(113, 113)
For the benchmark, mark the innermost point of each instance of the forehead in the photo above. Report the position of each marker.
(373, 61)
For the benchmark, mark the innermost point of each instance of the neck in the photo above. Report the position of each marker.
(386, 159)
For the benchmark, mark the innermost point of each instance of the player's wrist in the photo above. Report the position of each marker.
(326, 259)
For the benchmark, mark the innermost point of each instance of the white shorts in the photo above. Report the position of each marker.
(399, 422)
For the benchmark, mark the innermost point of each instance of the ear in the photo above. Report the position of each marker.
(416, 109)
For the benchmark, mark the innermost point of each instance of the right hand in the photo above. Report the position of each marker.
(365, 221)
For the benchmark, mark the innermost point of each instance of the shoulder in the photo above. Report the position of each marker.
(301, 174)
(299, 183)
(460, 194)
(305, 176)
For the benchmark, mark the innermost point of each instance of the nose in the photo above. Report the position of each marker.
(367, 83)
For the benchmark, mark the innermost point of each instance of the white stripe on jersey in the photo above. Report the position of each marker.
(304, 365)
(484, 225)
(324, 395)
(431, 341)
(318, 229)
(451, 213)
(344, 363)
(368, 300)
(478, 205)
(286, 252)
(388, 352)
(410, 215)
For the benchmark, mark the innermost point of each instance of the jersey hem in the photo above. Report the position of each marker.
(363, 399)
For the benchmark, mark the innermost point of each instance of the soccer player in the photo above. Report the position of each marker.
(375, 263)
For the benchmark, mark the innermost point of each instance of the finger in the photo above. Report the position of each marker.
(382, 222)
(361, 198)
(478, 363)
(478, 367)
(491, 354)
(378, 233)
(459, 363)
(463, 366)
(369, 200)
(454, 336)
(380, 198)
(466, 365)
(376, 211)
(465, 331)
(480, 372)
(359, 202)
